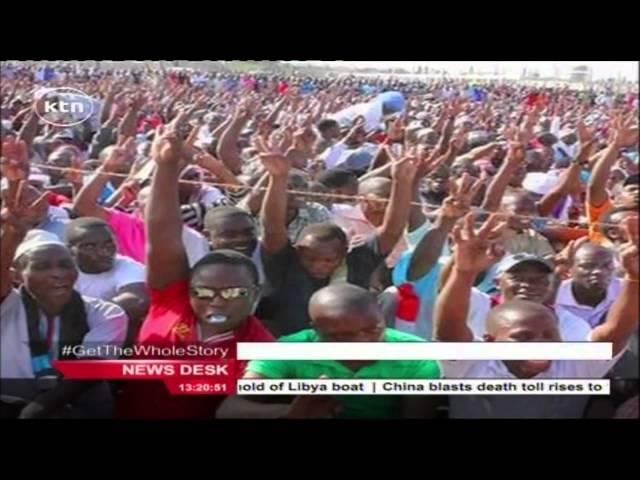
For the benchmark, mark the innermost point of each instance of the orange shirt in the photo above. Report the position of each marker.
(593, 216)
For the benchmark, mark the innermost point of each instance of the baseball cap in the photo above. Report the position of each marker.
(511, 261)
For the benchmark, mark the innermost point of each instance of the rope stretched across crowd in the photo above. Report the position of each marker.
(321, 195)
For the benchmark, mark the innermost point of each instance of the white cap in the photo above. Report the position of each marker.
(539, 183)
(36, 239)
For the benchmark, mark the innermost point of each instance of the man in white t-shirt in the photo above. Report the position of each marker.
(592, 288)
(524, 321)
(105, 275)
(528, 277)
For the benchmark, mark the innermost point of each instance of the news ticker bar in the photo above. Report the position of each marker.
(426, 351)
(423, 387)
(219, 377)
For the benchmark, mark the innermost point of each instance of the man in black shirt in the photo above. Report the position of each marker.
(321, 256)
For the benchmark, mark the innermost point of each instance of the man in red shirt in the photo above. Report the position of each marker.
(212, 304)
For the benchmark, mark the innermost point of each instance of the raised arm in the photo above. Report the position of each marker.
(274, 206)
(256, 195)
(403, 172)
(273, 114)
(105, 135)
(473, 253)
(86, 202)
(569, 180)
(499, 183)
(625, 135)
(166, 256)
(108, 103)
(429, 249)
(228, 146)
(219, 169)
(30, 127)
(622, 319)
(14, 226)
(127, 126)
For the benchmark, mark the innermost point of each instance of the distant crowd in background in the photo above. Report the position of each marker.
(215, 208)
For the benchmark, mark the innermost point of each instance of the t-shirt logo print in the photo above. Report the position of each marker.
(181, 330)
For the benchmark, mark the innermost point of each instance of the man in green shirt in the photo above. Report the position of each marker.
(339, 313)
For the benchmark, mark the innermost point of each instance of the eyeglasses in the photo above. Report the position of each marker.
(230, 293)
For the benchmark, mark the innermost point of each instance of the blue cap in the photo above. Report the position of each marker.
(393, 101)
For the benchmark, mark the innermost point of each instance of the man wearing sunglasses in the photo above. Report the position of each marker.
(211, 303)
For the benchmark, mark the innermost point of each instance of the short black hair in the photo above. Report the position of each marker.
(74, 229)
(216, 214)
(318, 187)
(337, 178)
(324, 232)
(633, 179)
(605, 220)
(327, 123)
(228, 257)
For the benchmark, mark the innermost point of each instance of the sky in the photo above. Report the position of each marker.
(601, 69)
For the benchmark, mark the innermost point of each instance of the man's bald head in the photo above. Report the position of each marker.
(346, 313)
(521, 320)
(344, 296)
(589, 249)
(378, 186)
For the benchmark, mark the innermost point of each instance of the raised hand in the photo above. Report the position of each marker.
(457, 141)
(428, 160)
(275, 163)
(584, 134)
(475, 251)
(246, 109)
(17, 215)
(118, 155)
(515, 152)
(404, 170)
(303, 139)
(14, 163)
(355, 129)
(626, 132)
(208, 162)
(167, 147)
(629, 251)
(136, 102)
(396, 130)
(461, 194)
(585, 151)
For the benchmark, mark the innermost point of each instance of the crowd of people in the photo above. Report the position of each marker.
(217, 208)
